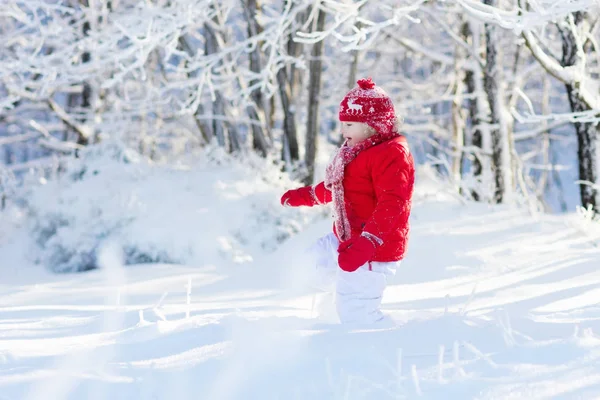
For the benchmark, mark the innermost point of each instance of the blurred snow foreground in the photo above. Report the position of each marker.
(490, 303)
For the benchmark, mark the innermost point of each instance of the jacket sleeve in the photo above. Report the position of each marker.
(308, 196)
(393, 179)
(321, 193)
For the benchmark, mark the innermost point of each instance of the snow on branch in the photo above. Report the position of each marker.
(542, 12)
(568, 75)
(17, 138)
(591, 116)
(458, 40)
(530, 134)
(49, 56)
(83, 131)
(51, 143)
(361, 37)
(432, 54)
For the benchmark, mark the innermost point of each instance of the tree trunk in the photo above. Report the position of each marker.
(474, 114)
(314, 92)
(86, 94)
(587, 133)
(355, 54)
(210, 47)
(587, 150)
(203, 128)
(353, 69)
(294, 49)
(271, 113)
(436, 141)
(225, 132)
(82, 99)
(458, 124)
(290, 151)
(542, 185)
(491, 81)
(256, 111)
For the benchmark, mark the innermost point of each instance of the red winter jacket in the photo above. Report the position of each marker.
(378, 188)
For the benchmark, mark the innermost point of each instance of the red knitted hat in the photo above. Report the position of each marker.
(368, 104)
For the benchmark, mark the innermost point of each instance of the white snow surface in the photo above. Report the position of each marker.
(490, 303)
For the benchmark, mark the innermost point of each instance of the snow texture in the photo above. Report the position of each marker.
(490, 302)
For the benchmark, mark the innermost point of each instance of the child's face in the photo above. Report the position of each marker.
(356, 132)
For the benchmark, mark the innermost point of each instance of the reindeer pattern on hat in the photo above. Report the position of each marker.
(353, 107)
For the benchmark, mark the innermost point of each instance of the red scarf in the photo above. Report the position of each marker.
(334, 177)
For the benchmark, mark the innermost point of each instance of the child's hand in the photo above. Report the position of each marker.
(298, 197)
(355, 252)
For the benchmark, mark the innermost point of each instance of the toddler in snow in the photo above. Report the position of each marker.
(370, 182)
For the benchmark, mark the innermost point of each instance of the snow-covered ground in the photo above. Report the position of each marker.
(491, 303)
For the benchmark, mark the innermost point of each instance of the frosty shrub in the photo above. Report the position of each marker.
(211, 209)
(70, 216)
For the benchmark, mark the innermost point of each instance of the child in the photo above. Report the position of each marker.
(370, 182)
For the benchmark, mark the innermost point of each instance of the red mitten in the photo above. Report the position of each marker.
(355, 252)
(298, 197)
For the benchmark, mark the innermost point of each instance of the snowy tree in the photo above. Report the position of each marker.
(574, 69)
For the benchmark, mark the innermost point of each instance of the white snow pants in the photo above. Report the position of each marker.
(358, 294)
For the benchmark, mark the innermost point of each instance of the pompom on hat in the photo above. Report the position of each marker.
(369, 104)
